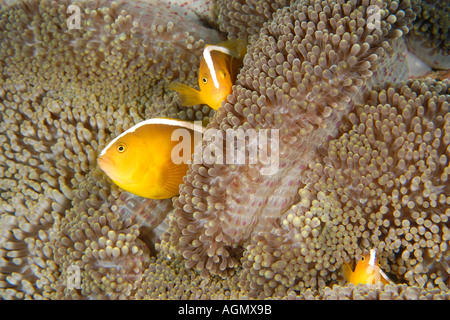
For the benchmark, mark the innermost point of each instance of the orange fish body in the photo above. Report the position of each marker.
(218, 70)
(145, 161)
(366, 271)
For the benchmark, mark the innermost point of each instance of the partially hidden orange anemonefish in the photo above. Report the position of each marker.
(218, 70)
(367, 271)
(141, 159)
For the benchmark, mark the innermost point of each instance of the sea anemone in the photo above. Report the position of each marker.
(306, 70)
(64, 93)
(429, 38)
(381, 183)
(67, 232)
(244, 18)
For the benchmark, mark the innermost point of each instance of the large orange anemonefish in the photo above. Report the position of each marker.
(148, 159)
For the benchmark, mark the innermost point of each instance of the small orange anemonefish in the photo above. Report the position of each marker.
(218, 70)
(144, 159)
(367, 271)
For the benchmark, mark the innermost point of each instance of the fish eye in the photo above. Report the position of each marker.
(204, 80)
(362, 258)
(121, 147)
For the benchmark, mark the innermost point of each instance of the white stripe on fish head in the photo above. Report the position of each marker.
(209, 62)
(373, 255)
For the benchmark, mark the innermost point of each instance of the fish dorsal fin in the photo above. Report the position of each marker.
(195, 126)
(237, 47)
(159, 120)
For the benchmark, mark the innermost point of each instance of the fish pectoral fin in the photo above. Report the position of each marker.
(173, 177)
(188, 96)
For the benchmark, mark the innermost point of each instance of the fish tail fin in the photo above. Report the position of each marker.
(188, 96)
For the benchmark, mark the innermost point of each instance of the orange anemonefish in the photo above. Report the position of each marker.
(367, 271)
(145, 161)
(218, 70)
